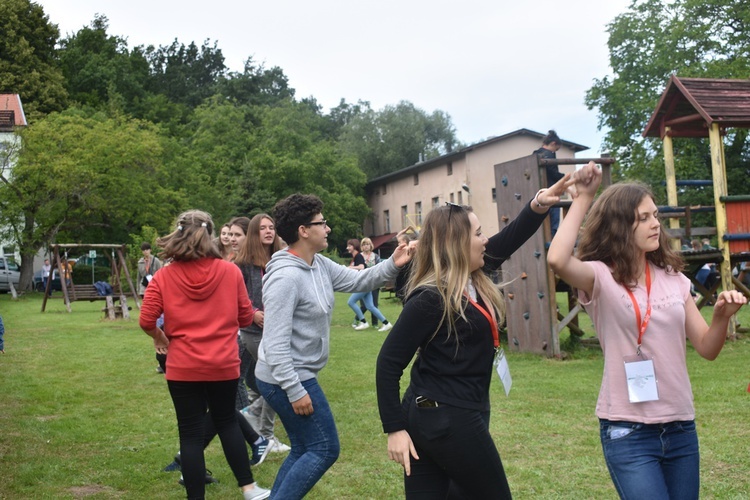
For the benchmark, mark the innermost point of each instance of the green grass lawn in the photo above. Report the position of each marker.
(85, 415)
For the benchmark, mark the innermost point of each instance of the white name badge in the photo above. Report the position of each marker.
(641, 379)
(503, 370)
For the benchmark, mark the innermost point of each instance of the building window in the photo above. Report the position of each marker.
(385, 188)
(387, 221)
(404, 222)
(494, 195)
(450, 168)
(416, 179)
(460, 198)
(453, 199)
(436, 202)
(418, 211)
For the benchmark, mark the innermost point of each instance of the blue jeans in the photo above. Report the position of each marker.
(314, 440)
(654, 461)
(366, 297)
(554, 220)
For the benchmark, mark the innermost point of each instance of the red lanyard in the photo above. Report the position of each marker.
(642, 325)
(491, 319)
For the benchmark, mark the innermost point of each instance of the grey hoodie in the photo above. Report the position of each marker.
(298, 302)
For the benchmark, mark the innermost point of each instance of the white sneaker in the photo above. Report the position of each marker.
(256, 493)
(385, 327)
(355, 324)
(363, 325)
(277, 446)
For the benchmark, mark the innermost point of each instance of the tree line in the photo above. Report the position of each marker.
(121, 139)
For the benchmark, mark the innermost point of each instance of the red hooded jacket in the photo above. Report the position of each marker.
(204, 303)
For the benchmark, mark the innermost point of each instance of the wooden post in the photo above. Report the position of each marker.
(718, 169)
(671, 179)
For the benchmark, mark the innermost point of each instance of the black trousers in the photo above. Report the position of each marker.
(191, 401)
(457, 456)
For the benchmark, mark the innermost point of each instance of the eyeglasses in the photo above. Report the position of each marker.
(317, 223)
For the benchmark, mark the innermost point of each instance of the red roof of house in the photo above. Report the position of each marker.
(12, 102)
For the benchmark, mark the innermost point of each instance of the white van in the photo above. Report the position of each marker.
(9, 272)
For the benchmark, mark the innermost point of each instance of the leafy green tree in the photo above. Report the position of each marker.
(256, 85)
(292, 153)
(395, 137)
(98, 67)
(185, 74)
(648, 43)
(28, 61)
(85, 178)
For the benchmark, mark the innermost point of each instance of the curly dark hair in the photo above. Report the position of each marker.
(608, 234)
(294, 211)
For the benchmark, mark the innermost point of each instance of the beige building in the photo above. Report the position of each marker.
(467, 176)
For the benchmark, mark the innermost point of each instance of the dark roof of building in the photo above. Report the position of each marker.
(426, 165)
(689, 106)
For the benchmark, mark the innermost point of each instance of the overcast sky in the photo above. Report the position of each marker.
(494, 67)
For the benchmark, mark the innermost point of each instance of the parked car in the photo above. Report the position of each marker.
(9, 272)
(39, 282)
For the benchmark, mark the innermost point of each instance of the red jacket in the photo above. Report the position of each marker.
(204, 303)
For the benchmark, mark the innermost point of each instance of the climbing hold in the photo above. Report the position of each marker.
(525, 315)
(504, 180)
(505, 218)
(537, 254)
(517, 195)
(515, 342)
(540, 295)
(510, 296)
(524, 276)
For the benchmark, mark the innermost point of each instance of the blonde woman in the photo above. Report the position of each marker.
(439, 431)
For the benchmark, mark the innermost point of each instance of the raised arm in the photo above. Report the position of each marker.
(560, 254)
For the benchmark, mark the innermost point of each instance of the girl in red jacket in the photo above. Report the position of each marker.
(204, 302)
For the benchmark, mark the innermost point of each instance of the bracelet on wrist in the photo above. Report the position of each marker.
(536, 199)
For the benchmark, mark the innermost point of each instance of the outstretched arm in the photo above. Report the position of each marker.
(709, 340)
(560, 254)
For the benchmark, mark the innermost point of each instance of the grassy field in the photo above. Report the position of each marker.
(85, 415)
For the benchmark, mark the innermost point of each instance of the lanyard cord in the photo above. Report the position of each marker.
(642, 325)
(491, 319)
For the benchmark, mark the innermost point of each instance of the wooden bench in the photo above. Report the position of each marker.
(90, 293)
(86, 292)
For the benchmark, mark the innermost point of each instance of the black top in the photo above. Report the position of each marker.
(358, 260)
(553, 173)
(455, 370)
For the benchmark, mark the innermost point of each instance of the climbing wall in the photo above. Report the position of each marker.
(529, 311)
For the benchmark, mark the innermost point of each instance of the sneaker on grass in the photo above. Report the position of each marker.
(261, 448)
(277, 446)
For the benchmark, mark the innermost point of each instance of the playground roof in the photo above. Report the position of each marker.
(689, 106)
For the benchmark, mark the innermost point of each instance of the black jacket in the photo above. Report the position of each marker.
(455, 370)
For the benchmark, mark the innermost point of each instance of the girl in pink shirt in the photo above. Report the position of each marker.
(629, 281)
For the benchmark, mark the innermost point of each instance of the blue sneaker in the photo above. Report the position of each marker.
(260, 451)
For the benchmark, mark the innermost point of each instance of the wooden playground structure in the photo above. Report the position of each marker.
(706, 107)
(73, 292)
(689, 107)
(533, 320)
